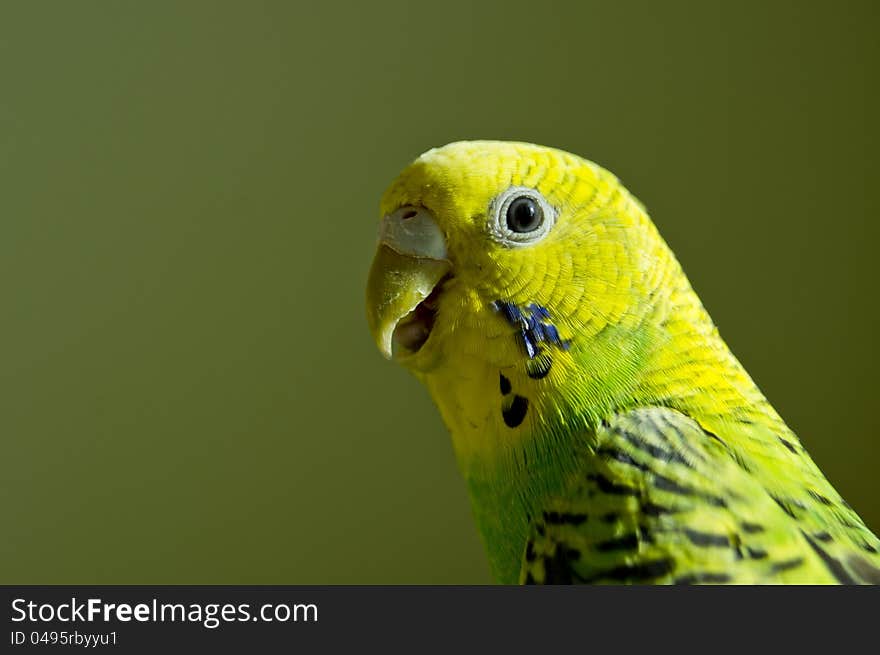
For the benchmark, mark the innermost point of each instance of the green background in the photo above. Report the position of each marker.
(188, 205)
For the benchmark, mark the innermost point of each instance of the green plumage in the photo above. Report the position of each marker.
(659, 499)
(605, 430)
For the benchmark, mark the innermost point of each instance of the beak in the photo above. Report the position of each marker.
(409, 263)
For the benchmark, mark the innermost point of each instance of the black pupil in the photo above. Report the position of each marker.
(523, 215)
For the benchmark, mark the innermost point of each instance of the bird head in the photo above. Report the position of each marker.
(476, 237)
(517, 266)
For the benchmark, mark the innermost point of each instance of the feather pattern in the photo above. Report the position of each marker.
(605, 430)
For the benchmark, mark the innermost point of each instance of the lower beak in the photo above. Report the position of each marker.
(406, 269)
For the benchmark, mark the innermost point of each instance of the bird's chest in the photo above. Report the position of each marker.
(502, 443)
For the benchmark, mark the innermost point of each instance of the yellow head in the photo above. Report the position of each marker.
(513, 265)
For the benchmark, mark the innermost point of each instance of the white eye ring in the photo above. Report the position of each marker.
(498, 226)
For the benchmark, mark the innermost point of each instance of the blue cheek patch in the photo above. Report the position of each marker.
(533, 325)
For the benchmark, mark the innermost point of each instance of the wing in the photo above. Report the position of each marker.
(661, 500)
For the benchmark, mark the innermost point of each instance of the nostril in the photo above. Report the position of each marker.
(412, 230)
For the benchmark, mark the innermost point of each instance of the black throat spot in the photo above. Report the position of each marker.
(514, 411)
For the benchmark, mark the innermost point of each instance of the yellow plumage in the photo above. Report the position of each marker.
(539, 345)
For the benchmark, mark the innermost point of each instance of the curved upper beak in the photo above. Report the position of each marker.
(409, 263)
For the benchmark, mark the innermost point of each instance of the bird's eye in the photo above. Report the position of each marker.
(520, 216)
(524, 215)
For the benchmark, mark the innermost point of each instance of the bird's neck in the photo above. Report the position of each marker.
(675, 358)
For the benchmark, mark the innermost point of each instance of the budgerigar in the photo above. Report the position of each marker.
(604, 429)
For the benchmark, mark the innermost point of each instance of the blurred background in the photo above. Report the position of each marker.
(188, 390)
